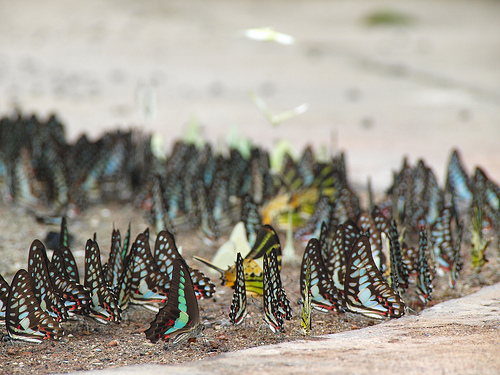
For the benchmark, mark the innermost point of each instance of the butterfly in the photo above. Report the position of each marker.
(399, 272)
(272, 314)
(114, 266)
(64, 261)
(336, 258)
(305, 320)
(457, 180)
(104, 307)
(267, 240)
(4, 295)
(203, 212)
(76, 297)
(159, 215)
(126, 244)
(443, 248)
(432, 198)
(365, 290)
(179, 320)
(268, 34)
(256, 176)
(122, 289)
(322, 215)
(347, 205)
(409, 257)
(25, 319)
(489, 194)
(367, 225)
(218, 194)
(239, 303)
(478, 241)
(456, 258)
(164, 255)
(424, 280)
(251, 218)
(43, 288)
(324, 296)
(147, 283)
(276, 119)
(237, 243)
(276, 285)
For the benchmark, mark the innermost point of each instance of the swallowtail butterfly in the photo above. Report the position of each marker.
(239, 303)
(25, 319)
(324, 295)
(104, 307)
(179, 320)
(366, 291)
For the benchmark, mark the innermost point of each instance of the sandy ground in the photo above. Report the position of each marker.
(418, 88)
(455, 337)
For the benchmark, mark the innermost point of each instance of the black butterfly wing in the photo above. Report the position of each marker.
(272, 315)
(424, 280)
(314, 226)
(4, 296)
(209, 226)
(324, 241)
(64, 234)
(457, 180)
(367, 225)
(104, 307)
(277, 288)
(38, 268)
(399, 272)
(336, 260)
(239, 302)
(164, 255)
(347, 205)
(203, 287)
(366, 291)
(179, 319)
(126, 244)
(147, 283)
(441, 240)
(76, 297)
(166, 252)
(251, 217)
(25, 320)
(115, 260)
(64, 261)
(456, 258)
(267, 240)
(323, 293)
(122, 289)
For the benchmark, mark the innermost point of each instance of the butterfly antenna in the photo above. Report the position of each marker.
(209, 264)
(370, 195)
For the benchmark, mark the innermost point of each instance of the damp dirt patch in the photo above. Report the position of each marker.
(88, 345)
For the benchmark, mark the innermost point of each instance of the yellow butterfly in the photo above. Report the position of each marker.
(267, 239)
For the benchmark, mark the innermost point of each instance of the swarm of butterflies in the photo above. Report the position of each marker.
(49, 292)
(355, 260)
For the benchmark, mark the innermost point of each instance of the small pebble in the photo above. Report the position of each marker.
(113, 343)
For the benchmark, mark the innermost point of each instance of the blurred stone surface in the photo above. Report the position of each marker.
(419, 84)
